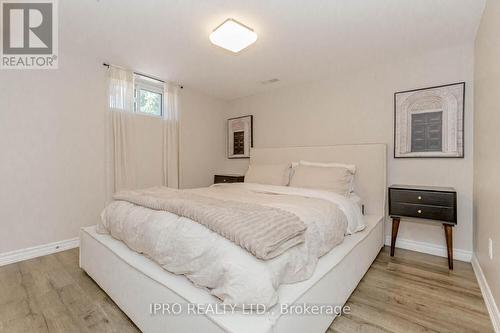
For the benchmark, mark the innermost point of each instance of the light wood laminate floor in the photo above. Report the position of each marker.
(411, 292)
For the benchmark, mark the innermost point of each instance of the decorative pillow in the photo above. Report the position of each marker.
(269, 174)
(335, 179)
(350, 167)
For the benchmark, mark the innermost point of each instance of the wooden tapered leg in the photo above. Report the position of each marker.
(394, 235)
(448, 232)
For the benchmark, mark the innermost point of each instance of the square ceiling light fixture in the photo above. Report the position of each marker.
(233, 36)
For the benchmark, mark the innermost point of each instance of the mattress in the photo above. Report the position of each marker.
(336, 275)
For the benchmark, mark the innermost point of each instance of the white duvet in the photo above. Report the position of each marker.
(230, 273)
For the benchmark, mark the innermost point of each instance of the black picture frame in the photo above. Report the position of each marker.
(228, 155)
(463, 84)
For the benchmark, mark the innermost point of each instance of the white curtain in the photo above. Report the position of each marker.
(121, 173)
(127, 134)
(171, 136)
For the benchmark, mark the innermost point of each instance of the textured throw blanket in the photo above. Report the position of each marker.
(264, 231)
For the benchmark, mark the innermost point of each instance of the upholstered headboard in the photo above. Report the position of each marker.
(370, 160)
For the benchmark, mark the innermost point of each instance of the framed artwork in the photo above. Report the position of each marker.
(239, 137)
(429, 122)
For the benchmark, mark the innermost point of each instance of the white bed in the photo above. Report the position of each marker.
(135, 282)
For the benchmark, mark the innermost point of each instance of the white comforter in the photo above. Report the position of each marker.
(230, 273)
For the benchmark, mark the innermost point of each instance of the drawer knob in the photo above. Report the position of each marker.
(224, 180)
(419, 211)
(419, 197)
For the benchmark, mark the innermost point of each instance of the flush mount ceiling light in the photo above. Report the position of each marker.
(233, 36)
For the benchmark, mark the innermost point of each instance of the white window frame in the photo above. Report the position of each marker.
(144, 83)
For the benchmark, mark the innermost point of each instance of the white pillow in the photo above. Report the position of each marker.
(350, 167)
(269, 174)
(335, 179)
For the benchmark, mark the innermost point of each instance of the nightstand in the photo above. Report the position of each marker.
(426, 202)
(228, 179)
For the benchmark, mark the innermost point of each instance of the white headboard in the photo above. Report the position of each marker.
(370, 160)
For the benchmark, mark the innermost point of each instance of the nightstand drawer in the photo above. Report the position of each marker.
(228, 179)
(446, 199)
(423, 211)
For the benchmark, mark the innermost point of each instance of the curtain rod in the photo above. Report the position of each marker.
(148, 76)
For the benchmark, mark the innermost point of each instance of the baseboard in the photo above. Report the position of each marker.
(37, 251)
(429, 248)
(487, 295)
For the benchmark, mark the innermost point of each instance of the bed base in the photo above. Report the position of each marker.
(134, 291)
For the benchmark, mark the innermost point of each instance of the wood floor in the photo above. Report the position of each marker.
(415, 292)
(411, 292)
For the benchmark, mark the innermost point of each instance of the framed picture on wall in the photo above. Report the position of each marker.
(429, 122)
(239, 137)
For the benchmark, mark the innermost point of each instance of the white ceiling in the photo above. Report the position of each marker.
(299, 40)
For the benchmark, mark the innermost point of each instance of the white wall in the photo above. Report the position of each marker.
(486, 145)
(358, 108)
(202, 138)
(52, 149)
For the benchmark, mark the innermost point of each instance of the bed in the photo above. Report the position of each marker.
(135, 282)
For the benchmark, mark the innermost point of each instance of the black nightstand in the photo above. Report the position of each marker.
(426, 202)
(228, 179)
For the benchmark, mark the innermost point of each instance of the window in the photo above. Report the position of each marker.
(148, 96)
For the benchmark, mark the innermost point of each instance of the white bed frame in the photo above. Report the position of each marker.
(135, 282)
